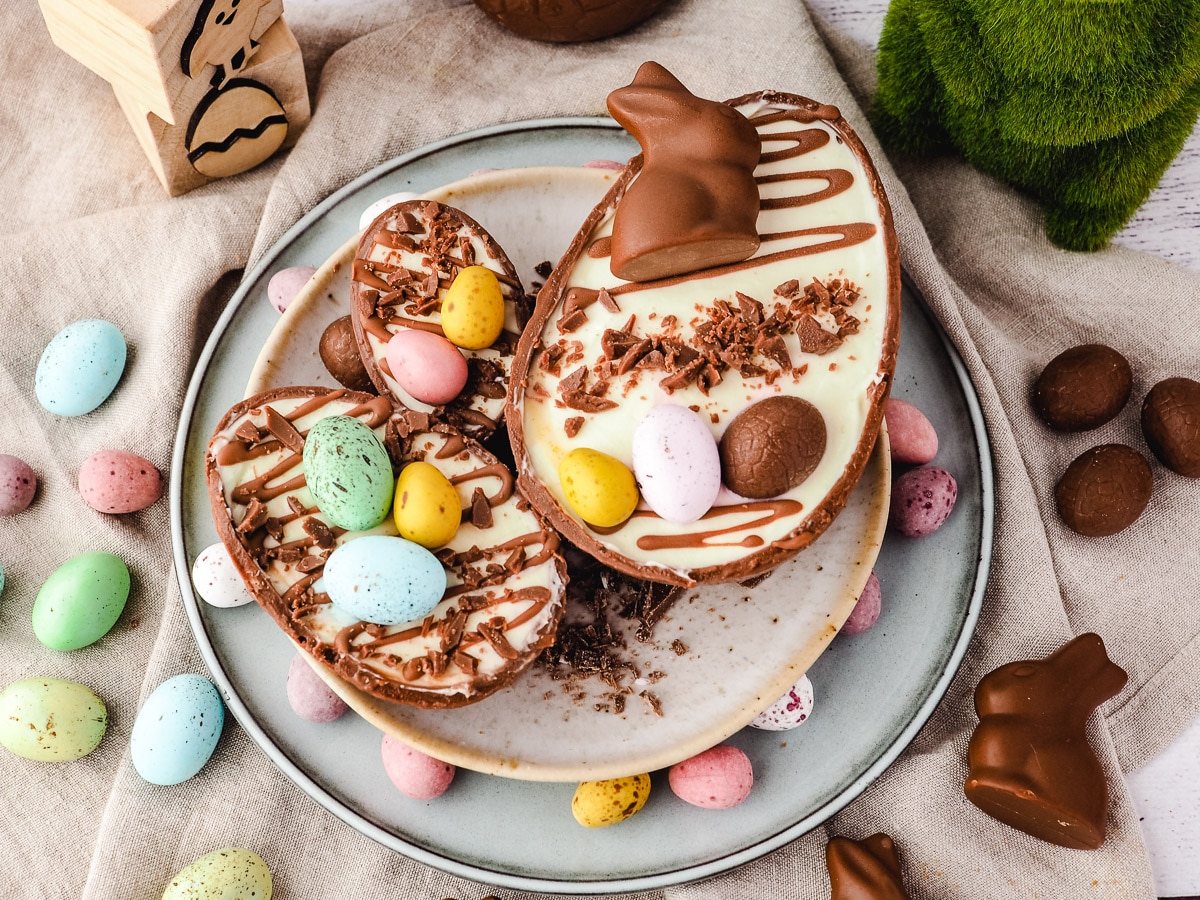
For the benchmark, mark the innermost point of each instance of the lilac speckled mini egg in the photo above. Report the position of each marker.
(790, 710)
(922, 499)
(286, 284)
(867, 609)
(309, 696)
(18, 484)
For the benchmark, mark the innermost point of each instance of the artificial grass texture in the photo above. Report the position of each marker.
(1082, 104)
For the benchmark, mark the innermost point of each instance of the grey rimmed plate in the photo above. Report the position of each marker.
(873, 690)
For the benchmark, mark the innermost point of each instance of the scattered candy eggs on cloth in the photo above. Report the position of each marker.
(912, 436)
(18, 484)
(371, 213)
(383, 579)
(81, 601)
(426, 365)
(80, 367)
(415, 774)
(473, 309)
(790, 710)
(217, 579)
(600, 488)
(51, 719)
(922, 500)
(867, 609)
(228, 874)
(718, 778)
(116, 481)
(310, 697)
(348, 472)
(676, 463)
(427, 509)
(177, 729)
(597, 804)
(286, 284)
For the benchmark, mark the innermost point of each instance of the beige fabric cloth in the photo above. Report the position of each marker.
(87, 231)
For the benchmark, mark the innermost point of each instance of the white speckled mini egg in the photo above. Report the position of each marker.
(217, 580)
(176, 730)
(80, 367)
(229, 874)
(790, 710)
(383, 579)
(676, 463)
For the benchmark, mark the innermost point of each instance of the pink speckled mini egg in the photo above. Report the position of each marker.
(426, 365)
(790, 710)
(922, 499)
(309, 696)
(414, 773)
(286, 284)
(116, 481)
(867, 609)
(18, 484)
(718, 778)
(912, 436)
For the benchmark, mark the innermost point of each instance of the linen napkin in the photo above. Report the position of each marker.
(88, 232)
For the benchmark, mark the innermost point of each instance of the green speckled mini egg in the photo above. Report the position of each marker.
(229, 874)
(600, 803)
(51, 719)
(80, 601)
(348, 472)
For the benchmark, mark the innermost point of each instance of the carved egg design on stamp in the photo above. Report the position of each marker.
(235, 128)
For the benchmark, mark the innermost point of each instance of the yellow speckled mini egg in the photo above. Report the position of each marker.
(51, 719)
(229, 874)
(600, 488)
(427, 510)
(600, 803)
(473, 309)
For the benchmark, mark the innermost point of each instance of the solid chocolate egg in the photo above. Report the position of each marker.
(339, 353)
(1104, 490)
(1082, 388)
(568, 21)
(772, 446)
(1171, 424)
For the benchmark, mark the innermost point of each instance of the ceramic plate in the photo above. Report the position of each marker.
(873, 690)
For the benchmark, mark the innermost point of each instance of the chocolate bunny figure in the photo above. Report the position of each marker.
(864, 870)
(694, 204)
(1030, 763)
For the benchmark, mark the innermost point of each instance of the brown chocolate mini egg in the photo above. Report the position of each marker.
(772, 446)
(1171, 424)
(569, 21)
(1104, 490)
(1082, 388)
(339, 352)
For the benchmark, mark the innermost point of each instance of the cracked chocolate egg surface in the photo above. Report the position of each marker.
(505, 578)
(813, 314)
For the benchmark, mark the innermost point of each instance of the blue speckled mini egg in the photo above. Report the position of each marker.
(176, 730)
(383, 579)
(80, 367)
(348, 472)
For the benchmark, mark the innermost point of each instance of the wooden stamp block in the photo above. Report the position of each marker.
(228, 128)
(151, 50)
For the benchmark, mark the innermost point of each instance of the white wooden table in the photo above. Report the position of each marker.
(1166, 791)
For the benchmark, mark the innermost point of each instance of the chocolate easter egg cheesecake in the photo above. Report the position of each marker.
(436, 596)
(703, 378)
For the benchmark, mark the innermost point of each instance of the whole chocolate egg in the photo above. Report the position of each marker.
(569, 21)
(1171, 424)
(339, 352)
(1104, 490)
(1082, 388)
(772, 446)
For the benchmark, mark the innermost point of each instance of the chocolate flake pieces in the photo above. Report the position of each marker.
(481, 509)
(572, 425)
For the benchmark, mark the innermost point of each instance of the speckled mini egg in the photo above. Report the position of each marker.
(676, 463)
(177, 729)
(867, 609)
(911, 435)
(718, 778)
(348, 472)
(383, 579)
(217, 579)
(922, 500)
(790, 710)
(473, 309)
(51, 719)
(310, 697)
(18, 484)
(415, 774)
(426, 365)
(597, 804)
(80, 367)
(286, 284)
(117, 482)
(228, 874)
(599, 488)
(427, 510)
(81, 601)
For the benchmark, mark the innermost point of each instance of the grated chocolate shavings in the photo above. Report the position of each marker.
(654, 704)
(678, 647)
(572, 425)
(544, 268)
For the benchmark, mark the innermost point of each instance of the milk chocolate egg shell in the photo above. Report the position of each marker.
(1171, 424)
(772, 446)
(339, 353)
(234, 129)
(813, 315)
(1104, 490)
(1082, 388)
(568, 21)
(505, 577)
(405, 263)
